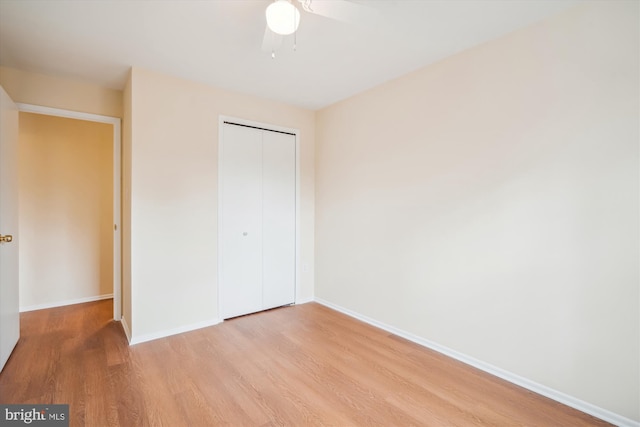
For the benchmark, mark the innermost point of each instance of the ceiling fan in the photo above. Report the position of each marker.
(283, 17)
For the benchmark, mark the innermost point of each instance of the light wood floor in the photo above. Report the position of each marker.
(294, 366)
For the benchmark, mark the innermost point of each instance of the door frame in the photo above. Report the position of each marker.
(269, 127)
(117, 198)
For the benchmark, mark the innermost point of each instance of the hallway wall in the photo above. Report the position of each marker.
(66, 210)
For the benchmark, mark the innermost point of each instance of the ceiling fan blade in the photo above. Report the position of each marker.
(271, 41)
(342, 10)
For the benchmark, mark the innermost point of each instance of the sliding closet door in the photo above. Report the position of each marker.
(278, 218)
(257, 235)
(241, 240)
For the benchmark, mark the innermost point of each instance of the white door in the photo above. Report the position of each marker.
(241, 250)
(9, 314)
(257, 223)
(278, 219)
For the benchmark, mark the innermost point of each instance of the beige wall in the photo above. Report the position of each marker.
(489, 203)
(173, 166)
(66, 210)
(67, 94)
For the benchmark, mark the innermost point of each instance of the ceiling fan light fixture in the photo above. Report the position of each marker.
(283, 17)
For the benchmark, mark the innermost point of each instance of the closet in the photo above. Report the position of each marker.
(257, 234)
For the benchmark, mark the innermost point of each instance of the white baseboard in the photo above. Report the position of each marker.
(305, 300)
(66, 302)
(174, 331)
(126, 328)
(558, 396)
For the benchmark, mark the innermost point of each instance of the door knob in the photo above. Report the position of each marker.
(6, 239)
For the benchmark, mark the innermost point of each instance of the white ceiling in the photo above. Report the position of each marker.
(219, 42)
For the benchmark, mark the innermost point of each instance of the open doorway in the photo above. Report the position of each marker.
(70, 248)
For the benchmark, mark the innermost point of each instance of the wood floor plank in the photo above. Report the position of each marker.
(303, 365)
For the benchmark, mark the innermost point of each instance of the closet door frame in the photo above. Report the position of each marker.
(269, 127)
